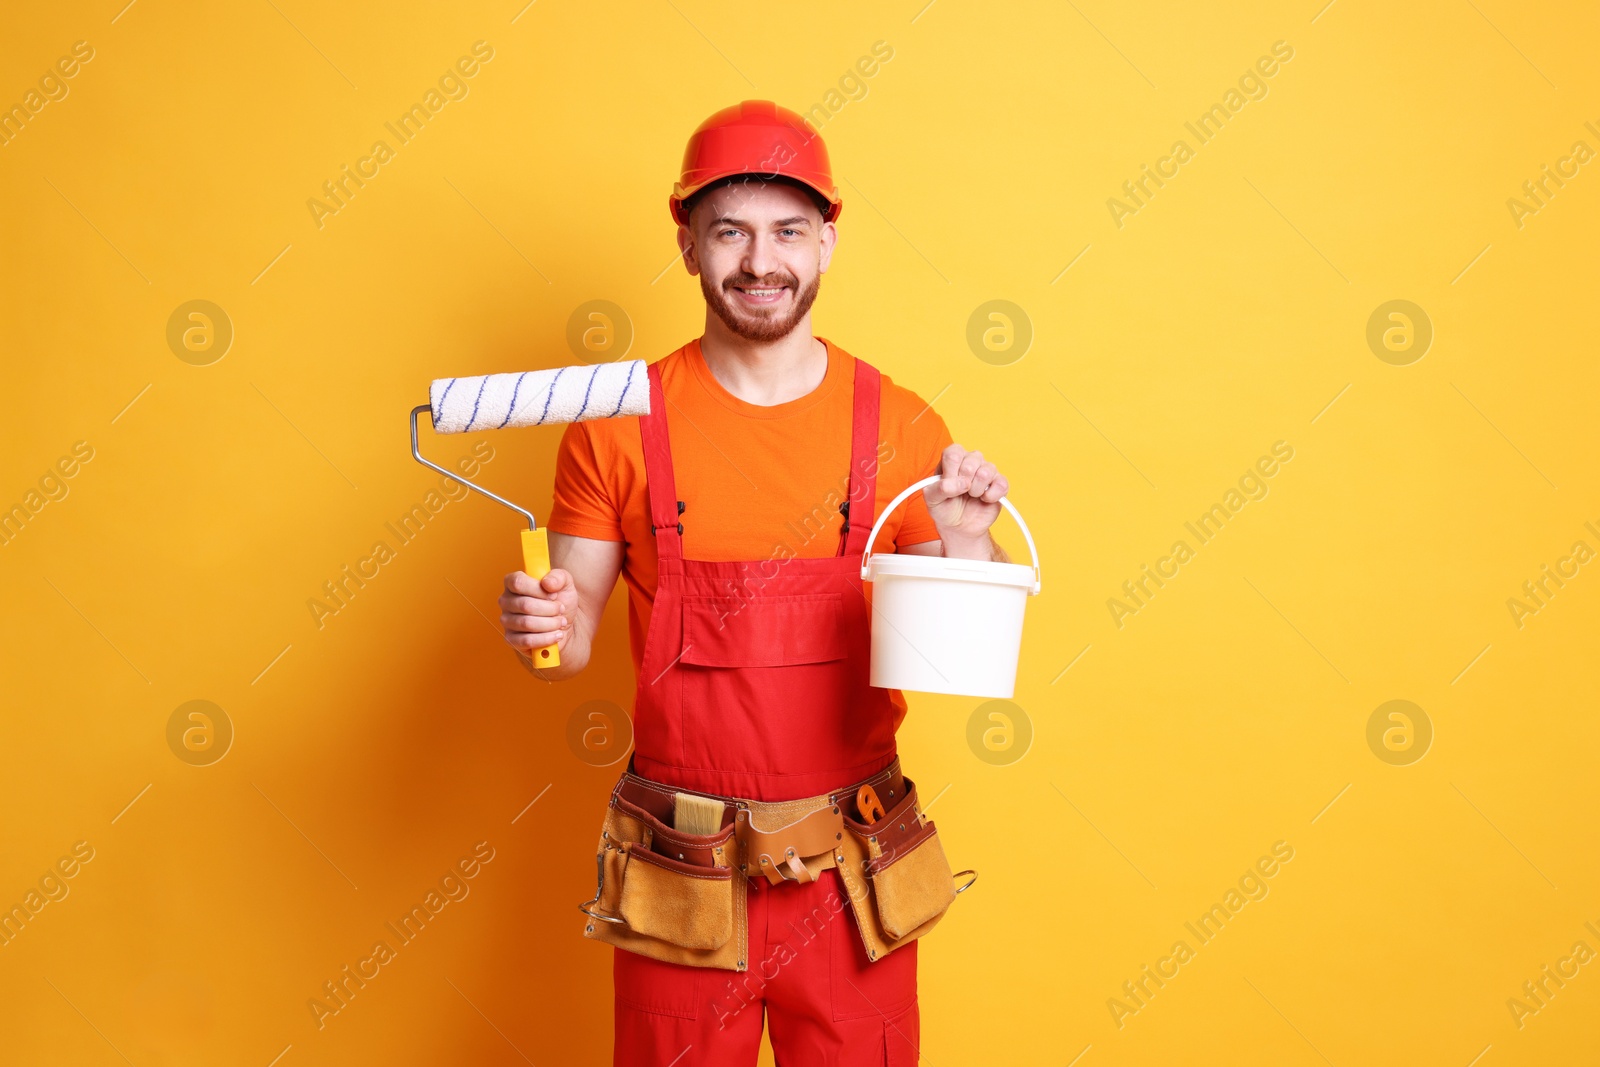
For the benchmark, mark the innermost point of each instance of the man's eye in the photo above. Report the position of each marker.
(795, 232)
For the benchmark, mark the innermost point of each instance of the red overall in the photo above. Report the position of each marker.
(754, 684)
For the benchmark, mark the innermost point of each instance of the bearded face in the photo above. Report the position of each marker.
(760, 309)
(760, 249)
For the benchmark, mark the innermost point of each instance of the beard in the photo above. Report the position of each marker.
(762, 324)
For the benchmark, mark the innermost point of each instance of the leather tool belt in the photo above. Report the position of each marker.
(682, 897)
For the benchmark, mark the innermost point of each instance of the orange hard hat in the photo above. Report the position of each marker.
(755, 137)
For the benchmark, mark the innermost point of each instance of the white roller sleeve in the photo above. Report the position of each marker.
(537, 397)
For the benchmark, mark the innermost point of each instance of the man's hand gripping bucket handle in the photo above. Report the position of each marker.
(896, 502)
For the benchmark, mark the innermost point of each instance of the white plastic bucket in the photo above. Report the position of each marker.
(947, 625)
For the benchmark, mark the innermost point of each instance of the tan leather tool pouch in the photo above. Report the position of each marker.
(668, 895)
(899, 881)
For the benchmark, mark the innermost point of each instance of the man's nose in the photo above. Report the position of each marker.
(760, 258)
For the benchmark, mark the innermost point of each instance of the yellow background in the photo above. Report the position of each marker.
(1228, 714)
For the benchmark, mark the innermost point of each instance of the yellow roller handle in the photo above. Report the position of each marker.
(536, 562)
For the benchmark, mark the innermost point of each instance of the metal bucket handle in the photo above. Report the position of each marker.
(1033, 551)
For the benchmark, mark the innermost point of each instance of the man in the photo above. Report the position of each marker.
(728, 511)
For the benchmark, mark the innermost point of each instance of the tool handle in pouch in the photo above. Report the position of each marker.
(536, 562)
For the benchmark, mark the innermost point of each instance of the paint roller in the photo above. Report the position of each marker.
(532, 398)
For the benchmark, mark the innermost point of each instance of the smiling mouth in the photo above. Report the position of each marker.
(761, 294)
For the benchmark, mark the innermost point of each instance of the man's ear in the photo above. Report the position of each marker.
(826, 241)
(691, 261)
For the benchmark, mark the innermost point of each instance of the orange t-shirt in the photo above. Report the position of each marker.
(757, 482)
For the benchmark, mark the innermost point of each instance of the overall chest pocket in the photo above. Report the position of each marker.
(763, 631)
(767, 683)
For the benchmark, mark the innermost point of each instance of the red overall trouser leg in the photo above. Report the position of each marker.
(754, 684)
(825, 1005)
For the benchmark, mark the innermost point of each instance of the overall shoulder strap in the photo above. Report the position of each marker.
(863, 458)
(659, 483)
